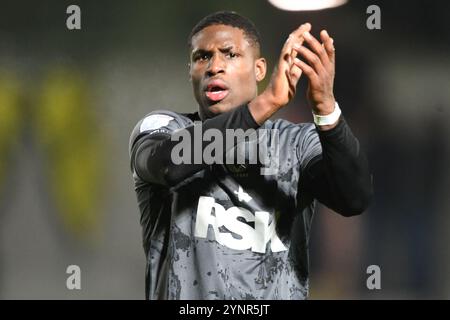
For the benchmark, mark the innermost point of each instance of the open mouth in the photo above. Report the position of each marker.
(216, 91)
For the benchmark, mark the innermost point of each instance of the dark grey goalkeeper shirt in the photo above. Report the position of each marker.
(228, 231)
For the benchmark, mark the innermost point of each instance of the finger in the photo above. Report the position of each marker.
(293, 54)
(295, 74)
(286, 51)
(312, 59)
(328, 45)
(298, 33)
(296, 37)
(308, 71)
(317, 48)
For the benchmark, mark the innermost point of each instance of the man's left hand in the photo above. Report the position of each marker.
(319, 67)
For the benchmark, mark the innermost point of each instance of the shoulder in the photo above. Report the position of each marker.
(159, 121)
(289, 129)
(299, 138)
(161, 118)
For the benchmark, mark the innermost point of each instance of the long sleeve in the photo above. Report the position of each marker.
(151, 151)
(340, 177)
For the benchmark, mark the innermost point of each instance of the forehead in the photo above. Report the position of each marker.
(219, 35)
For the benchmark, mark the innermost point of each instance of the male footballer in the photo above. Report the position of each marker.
(233, 229)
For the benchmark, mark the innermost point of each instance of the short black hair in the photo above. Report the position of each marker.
(229, 18)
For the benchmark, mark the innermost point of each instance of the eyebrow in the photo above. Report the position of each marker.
(201, 51)
(198, 50)
(226, 49)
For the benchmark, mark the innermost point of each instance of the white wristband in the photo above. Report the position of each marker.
(329, 118)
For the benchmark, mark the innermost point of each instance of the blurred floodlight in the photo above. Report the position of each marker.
(301, 5)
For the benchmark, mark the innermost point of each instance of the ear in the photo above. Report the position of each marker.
(260, 69)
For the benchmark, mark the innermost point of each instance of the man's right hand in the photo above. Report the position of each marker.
(284, 79)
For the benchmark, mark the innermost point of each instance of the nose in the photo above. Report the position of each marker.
(216, 65)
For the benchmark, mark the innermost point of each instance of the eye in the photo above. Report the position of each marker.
(201, 57)
(231, 55)
(204, 56)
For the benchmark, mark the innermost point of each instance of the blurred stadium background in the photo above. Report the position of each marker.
(69, 99)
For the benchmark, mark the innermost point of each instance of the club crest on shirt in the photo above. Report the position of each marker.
(237, 169)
